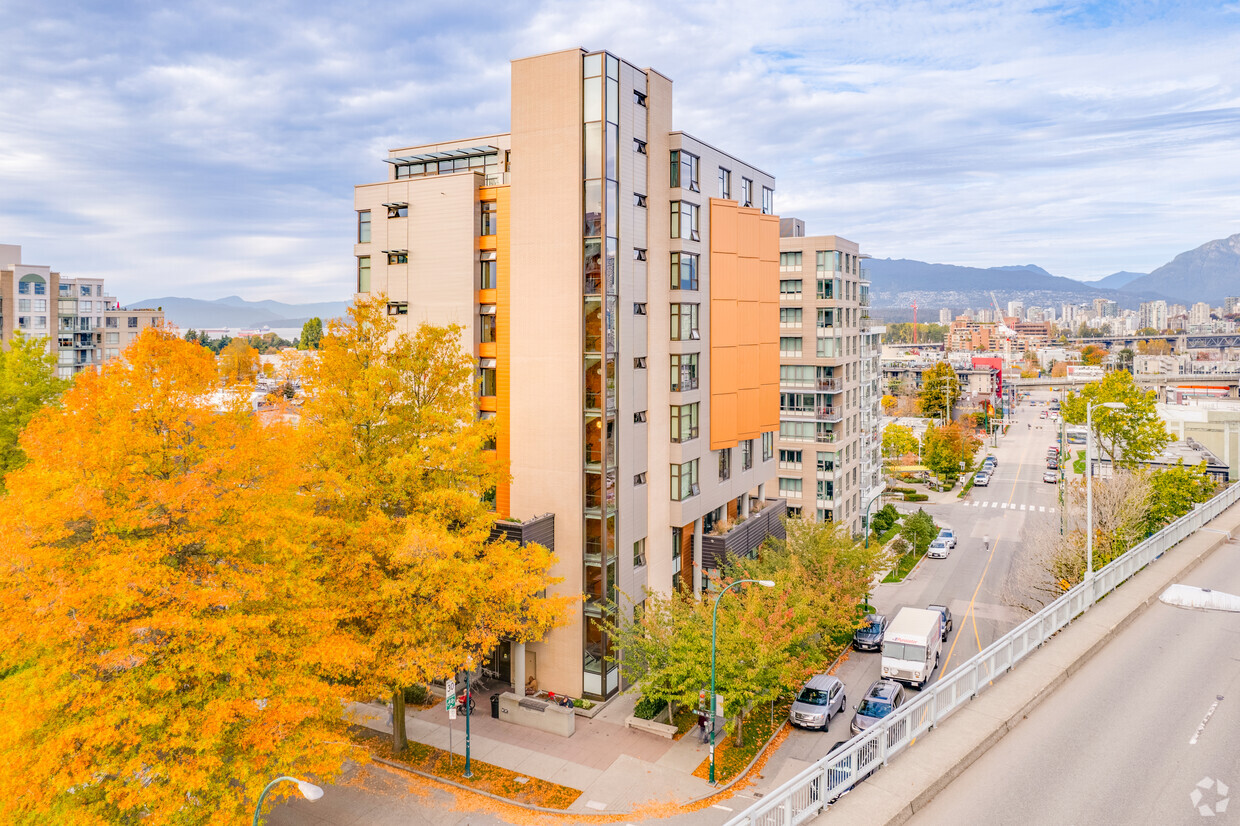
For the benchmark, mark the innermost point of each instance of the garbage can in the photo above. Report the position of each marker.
(495, 706)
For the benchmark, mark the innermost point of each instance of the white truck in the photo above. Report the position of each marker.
(911, 646)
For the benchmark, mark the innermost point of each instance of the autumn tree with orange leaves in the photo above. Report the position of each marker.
(166, 633)
(401, 470)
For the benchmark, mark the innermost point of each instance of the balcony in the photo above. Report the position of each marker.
(831, 385)
(826, 475)
(800, 413)
(742, 538)
(538, 530)
(829, 413)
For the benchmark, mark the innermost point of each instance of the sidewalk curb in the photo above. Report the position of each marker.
(530, 806)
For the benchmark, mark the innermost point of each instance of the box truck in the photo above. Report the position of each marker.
(912, 645)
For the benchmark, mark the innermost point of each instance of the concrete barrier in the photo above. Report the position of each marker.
(537, 714)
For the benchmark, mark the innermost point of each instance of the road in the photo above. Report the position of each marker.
(1127, 738)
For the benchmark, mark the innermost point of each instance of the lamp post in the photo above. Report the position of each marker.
(714, 625)
(1089, 481)
(308, 790)
(866, 524)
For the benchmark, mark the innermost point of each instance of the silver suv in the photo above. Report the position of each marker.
(820, 700)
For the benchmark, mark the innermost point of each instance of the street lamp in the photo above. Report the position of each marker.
(866, 522)
(714, 625)
(1089, 481)
(308, 790)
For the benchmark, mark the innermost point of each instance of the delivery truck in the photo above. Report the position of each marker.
(912, 645)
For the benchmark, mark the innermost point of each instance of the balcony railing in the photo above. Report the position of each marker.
(829, 414)
(831, 385)
(797, 412)
(742, 538)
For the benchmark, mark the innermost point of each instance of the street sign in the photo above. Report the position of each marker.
(450, 698)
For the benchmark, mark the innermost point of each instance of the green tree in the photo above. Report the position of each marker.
(1093, 355)
(1125, 438)
(28, 383)
(311, 335)
(898, 441)
(919, 530)
(946, 447)
(940, 388)
(1175, 491)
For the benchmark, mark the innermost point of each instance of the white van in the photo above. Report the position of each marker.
(912, 645)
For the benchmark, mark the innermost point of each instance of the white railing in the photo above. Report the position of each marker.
(805, 796)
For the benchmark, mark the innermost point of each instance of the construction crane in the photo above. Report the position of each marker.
(1000, 326)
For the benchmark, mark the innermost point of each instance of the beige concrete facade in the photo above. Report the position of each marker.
(584, 391)
(84, 327)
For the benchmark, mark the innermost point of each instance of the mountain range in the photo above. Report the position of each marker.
(235, 311)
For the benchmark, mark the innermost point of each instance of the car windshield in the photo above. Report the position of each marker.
(812, 696)
(874, 708)
(868, 628)
(900, 651)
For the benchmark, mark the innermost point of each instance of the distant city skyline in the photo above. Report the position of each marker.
(204, 149)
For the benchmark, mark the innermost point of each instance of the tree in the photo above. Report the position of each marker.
(1059, 370)
(239, 362)
(940, 388)
(1154, 346)
(1093, 355)
(1125, 438)
(400, 472)
(1175, 491)
(945, 448)
(919, 530)
(898, 440)
(165, 632)
(1125, 359)
(28, 383)
(889, 404)
(311, 335)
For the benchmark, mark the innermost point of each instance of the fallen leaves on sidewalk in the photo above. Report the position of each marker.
(731, 760)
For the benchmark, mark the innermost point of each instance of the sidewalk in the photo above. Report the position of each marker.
(616, 768)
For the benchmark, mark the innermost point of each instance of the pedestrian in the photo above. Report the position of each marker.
(986, 541)
(702, 724)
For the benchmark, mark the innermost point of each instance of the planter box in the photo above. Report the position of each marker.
(745, 537)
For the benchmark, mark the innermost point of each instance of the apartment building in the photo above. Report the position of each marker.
(619, 284)
(823, 293)
(84, 327)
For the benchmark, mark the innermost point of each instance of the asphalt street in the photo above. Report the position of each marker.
(1150, 719)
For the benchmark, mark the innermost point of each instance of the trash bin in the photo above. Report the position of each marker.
(495, 706)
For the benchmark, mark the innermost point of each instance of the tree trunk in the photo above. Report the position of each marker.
(399, 739)
(740, 734)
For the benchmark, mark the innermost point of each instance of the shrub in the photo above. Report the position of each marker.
(585, 704)
(417, 695)
(915, 497)
(648, 708)
(900, 490)
(889, 510)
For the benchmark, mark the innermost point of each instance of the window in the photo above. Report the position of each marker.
(790, 346)
(363, 273)
(826, 318)
(86, 306)
(827, 288)
(84, 289)
(398, 257)
(826, 489)
(684, 372)
(768, 201)
(725, 184)
(639, 552)
(684, 271)
(796, 431)
(685, 220)
(487, 279)
(747, 454)
(363, 227)
(639, 146)
(23, 305)
(640, 478)
(639, 254)
(398, 308)
(112, 338)
(790, 459)
(133, 321)
(398, 210)
(639, 309)
(486, 327)
(487, 376)
(685, 322)
(789, 261)
(639, 362)
(40, 322)
(490, 218)
(684, 422)
(639, 200)
(639, 417)
(790, 316)
(768, 445)
(684, 484)
(685, 170)
(790, 288)
(790, 487)
(746, 192)
(110, 322)
(725, 464)
(826, 462)
(639, 98)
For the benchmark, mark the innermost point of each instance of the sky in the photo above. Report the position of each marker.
(206, 149)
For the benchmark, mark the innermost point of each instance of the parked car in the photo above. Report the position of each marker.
(990, 458)
(1053, 449)
(1051, 477)
(882, 698)
(938, 549)
(869, 637)
(1052, 463)
(948, 536)
(862, 758)
(981, 479)
(820, 700)
(947, 618)
(1042, 414)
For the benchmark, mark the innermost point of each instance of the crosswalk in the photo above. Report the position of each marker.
(1010, 506)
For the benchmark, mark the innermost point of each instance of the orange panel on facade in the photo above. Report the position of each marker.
(748, 422)
(749, 288)
(722, 226)
(749, 323)
(487, 350)
(768, 238)
(723, 417)
(723, 320)
(723, 275)
(723, 372)
(503, 344)
(487, 296)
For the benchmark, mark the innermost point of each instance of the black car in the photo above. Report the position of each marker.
(869, 637)
(1052, 464)
(946, 613)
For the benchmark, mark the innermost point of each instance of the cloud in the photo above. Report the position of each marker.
(205, 148)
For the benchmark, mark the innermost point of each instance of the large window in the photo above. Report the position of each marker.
(790, 288)
(363, 273)
(747, 454)
(487, 375)
(684, 271)
(768, 445)
(790, 346)
(790, 459)
(789, 261)
(685, 170)
(790, 487)
(746, 192)
(363, 227)
(490, 218)
(790, 316)
(487, 327)
(826, 462)
(685, 480)
(768, 201)
(685, 220)
(725, 184)
(796, 374)
(725, 464)
(796, 431)
(684, 422)
(685, 322)
(487, 278)
(684, 372)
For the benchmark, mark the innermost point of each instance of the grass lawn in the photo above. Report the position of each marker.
(486, 777)
(730, 759)
(1078, 464)
(903, 565)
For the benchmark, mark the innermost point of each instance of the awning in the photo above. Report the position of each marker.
(447, 154)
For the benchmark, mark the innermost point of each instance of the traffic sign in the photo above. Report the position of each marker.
(450, 698)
